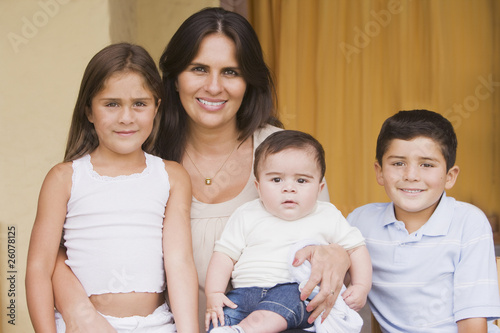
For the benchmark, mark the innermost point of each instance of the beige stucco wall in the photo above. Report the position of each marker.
(154, 30)
(44, 48)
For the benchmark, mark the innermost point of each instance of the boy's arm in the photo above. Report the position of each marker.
(182, 279)
(475, 274)
(361, 278)
(44, 245)
(218, 275)
(472, 325)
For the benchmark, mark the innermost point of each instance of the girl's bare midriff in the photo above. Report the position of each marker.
(127, 304)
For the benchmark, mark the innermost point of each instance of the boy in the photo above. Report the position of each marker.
(433, 257)
(289, 168)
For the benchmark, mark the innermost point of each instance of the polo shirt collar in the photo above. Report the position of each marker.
(439, 222)
(389, 216)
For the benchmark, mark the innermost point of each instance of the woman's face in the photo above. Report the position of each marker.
(211, 88)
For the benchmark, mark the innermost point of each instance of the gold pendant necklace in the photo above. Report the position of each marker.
(208, 180)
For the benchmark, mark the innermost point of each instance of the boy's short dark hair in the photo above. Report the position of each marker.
(281, 140)
(407, 125)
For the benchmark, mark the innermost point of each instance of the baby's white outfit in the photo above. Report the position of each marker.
(341, 318)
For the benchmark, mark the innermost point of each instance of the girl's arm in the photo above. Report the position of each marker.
(182, 279)
(469, 325)
(44, 245)
(329, 264)
(78, 312)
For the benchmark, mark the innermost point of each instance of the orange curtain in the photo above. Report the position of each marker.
(343, 66)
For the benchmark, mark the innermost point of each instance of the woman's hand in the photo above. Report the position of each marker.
(88, 320)
(329, 264)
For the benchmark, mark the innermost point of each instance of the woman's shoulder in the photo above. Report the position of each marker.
(263, 132)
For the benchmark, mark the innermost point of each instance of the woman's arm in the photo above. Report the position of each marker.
(44, 244)
(182, 279)
(329, 264)
(71, 301)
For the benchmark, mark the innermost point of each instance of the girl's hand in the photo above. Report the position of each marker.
(215, 306)
(329, 264)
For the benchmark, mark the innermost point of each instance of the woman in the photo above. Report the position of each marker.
(218, 107)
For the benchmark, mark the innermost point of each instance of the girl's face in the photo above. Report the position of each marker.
(211, 88)
(123, 113)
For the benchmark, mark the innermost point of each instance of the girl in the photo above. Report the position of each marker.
(125, 213)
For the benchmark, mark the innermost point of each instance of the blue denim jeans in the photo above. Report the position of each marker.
(283, 299)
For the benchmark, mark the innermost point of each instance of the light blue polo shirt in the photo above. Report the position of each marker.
(428, 280)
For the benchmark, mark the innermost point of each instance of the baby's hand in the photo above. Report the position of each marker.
(355, 297)
(215, 305)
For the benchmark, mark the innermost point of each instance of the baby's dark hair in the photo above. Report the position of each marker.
(407, 125)
(281, 140)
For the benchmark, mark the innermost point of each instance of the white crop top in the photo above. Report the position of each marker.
(113, 228)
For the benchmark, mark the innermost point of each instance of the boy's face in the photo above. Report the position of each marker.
(414, 176)
(289, 183)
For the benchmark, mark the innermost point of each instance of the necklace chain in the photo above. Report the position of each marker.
(208, 180)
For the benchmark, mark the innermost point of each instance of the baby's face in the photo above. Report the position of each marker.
(289, 183)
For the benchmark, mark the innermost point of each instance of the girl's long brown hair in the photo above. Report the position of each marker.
(115, 58)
